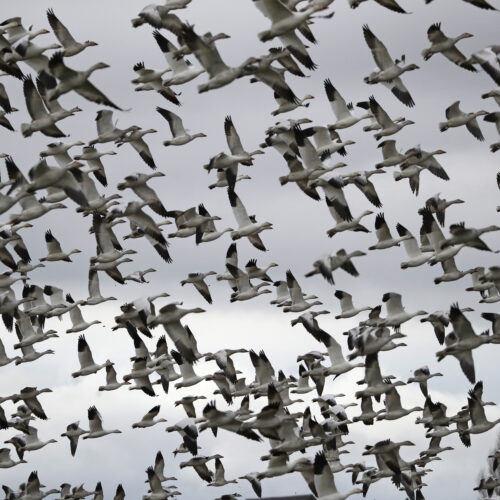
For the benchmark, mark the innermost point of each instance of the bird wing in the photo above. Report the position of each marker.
(379, 51)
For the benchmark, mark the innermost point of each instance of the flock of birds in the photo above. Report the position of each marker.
(63, 180)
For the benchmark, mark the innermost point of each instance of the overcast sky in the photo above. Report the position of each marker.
(298, 237)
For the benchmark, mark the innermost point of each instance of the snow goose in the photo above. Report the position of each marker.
(338, 363)
(346, 225)
(156, 490)
(455, 117)
(29, 53)
(187, 404)
(396, 314)
(254, 481)
(492, 296)
(133, 211)
(255, 272)
(6, 462)
(234, 143)
(197, 279)
(479, 422)
(179, 134)
(73, 433)
(78, 323)
(451, 272)
(301, 176)
(111, 381)
(362, 181)
(330, 263)
(303, 386)
(138, 183)
(189, 377)
(438, 206)
(106, 129)
(70, 46)
(347, 306)
(15, 30)
(55, 250)
(95, 297)
(199, 464)
(393, 408)
(140, 375)
(299, 304)
(219, 479)
(31, 440)
(324, 481)
(182, 70)
(421, 376)
(335, 198)
(29, 395)
(436, 239)
(461, 342)
(426, 160)
(368, 415)
(284, 20)
(389, 71)
(148, 77)
(70, 79)
(285, 106)
(244, 288)
(391, 155)
(468, 236)
(388, 126)
(385, 239)
(222, 179)
(28, 351)
(208, 56)
(489, 483)
(43, 120)
(415, 256)
(441, 43)
(87, 364)
(135, 138)
(159, 16)
(59, 150)
(27, 334)
(149, 419)
(43, 176)
(341, 110)
(328, 142)
(95, 425)
(247, 226)
(93, 157)
(479, 284)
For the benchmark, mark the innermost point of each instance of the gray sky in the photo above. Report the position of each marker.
(297, 240)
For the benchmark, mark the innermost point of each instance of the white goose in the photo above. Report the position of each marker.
(179, 134)
(299, 304)
(389, 71)
(87, 364)
(416, 257)
(149, 419)
(455, 117)
(396, 314)
(244, 288)
(324, 481)
(78, 323)
(73, 433)
(182, 71)
(55, 251)
(70, 46)
(347, 306)
(95, 297)
(341, 110)
(247, 226)
(95, 425)
(385, 239)
(111, 381)
(387, 125)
